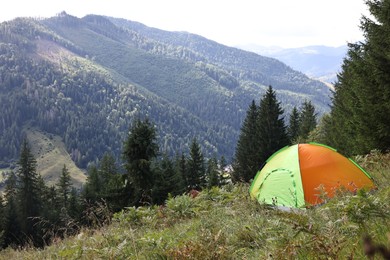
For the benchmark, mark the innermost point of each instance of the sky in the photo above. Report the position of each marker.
(282, 23)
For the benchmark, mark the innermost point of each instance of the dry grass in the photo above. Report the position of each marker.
(51, 156)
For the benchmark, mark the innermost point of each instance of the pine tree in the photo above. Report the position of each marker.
(293, 127)
(246, 161)
(195, 167)
(64, 186)
(29, 202)
(307, 120)
(140, 149)
(272, 132)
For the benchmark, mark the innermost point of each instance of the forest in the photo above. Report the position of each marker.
(155, 194)
(86, 79)
(35, 213)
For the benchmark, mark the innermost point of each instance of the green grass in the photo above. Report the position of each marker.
(227, 224)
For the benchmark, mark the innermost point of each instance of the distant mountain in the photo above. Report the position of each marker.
(85, 80)
(320, 62)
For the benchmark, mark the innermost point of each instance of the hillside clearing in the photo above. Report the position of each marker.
(51, 155)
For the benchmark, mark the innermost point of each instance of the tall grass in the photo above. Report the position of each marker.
(225, 223)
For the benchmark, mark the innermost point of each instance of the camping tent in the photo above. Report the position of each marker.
(301, 174)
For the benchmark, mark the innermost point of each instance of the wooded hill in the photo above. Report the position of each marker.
(86, 79)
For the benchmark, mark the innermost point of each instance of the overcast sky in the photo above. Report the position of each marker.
(284, 23)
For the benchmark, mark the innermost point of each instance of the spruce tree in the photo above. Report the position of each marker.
(196, 174)
(92, 190)
(246, 161)
(64, 186)
(361, 107)
(181, 169)
(11, 225)
(213, 174)
(140, 149)
(168, 181)
(110, 177)
(307, 120)
(74, 208)
(293, 127)
(29, 202)
(111, 182)
(272, 132)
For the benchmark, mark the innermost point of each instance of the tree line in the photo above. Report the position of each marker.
(33, 213)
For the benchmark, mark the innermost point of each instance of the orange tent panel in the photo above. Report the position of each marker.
(321, 167)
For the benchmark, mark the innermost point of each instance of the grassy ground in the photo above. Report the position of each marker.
(51, 155)
(227, 224)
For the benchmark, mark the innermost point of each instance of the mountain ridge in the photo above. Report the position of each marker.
(317, 61)
(86, 79)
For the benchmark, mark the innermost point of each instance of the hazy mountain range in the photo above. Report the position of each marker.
(319, 62)
(84, 80)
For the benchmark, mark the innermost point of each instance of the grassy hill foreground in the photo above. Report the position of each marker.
(225, 223)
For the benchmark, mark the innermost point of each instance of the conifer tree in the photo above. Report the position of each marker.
(360, 110)
(213, 175)
(293, 127)
(246, 161)
(112, 184)
(50, 220)
(140, 149)
(74, 208)
(29, 202)
(196, 175)
(64, 186)
(108, 171)
(92, 191)
(168, 181)
(181, 169)
(307, 120)
(11, 225)
(272, 132)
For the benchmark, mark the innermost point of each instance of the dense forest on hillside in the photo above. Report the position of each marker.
(86, 79)
(34, 213)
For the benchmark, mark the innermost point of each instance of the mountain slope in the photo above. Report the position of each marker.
(51, 157)
(85, 80)
(242, 65)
